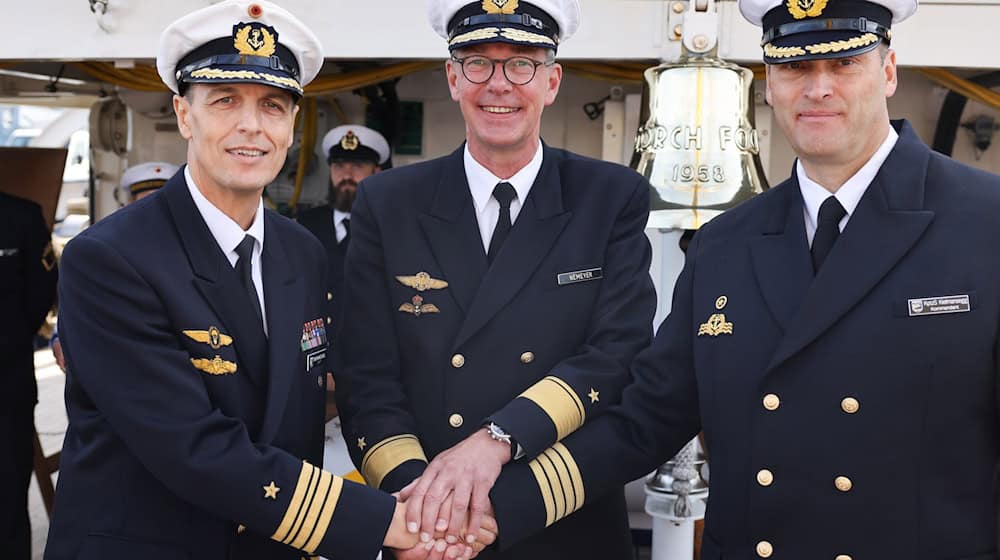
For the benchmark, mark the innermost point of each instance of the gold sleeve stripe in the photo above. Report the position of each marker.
(559, 482)
(560, 402)
(332, 497)
(303, 506)
(311, 509)
(312, 514)
(388, 454)
(288, 522)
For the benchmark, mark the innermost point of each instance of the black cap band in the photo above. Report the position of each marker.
(361, 153)
(861, 25)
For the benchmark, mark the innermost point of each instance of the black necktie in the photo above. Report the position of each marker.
(244, 267)
(347, 230)
(827, 230)
(504, 193)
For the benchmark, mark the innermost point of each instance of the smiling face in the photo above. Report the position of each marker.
(501, 117)
(238, 135)
(834, 111)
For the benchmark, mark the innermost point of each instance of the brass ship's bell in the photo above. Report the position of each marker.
(697, 144)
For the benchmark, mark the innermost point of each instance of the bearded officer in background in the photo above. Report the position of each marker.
(195, 337)
(354, 152)
(836, 337)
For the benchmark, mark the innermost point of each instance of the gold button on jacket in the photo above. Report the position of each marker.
(764, 549)
(771, 401)
(456, 420)
(843, 557)
(850, 405)
(843, 483)
(527, 357)
(765, 477)
(457, 361)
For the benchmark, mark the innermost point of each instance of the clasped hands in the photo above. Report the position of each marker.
(447, 511)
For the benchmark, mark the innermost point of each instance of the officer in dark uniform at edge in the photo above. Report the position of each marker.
(27, 290)
(835, 337)
(195, 333)
(495, 296)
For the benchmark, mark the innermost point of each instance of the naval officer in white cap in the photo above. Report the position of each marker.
(195, 331)
(354, 152)
(836, 338)
(142, 180)
(495, 296)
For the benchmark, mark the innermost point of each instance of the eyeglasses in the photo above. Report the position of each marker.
(519, 70)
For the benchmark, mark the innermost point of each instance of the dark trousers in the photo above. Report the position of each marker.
(17, 434)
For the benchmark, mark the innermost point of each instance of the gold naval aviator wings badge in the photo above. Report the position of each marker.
(212, 337)
(215, 366)
(806, 8)
(422, 282)
(418, 307)
(717, 323)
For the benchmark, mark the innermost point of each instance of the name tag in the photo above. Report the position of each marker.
(580, 276)
(315, 358)
(938, 305)
(12, 252)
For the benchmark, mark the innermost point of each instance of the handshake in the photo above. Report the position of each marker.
(446, 513)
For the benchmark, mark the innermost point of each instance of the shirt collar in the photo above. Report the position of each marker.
(850, 193)
(340, 216)
(482, 181)
(227, 233)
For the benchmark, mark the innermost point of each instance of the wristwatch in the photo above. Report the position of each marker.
(499, 434)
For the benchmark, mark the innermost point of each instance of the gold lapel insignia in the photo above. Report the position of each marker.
(594, 395)
(717, 323)
(422, 282)
(806, 8)
(499, 6)
(361, 443)
(211, 337)
(215, 366)
(418, 307)
(254, 39)
(350, 142)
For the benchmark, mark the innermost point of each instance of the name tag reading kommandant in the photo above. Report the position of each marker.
(938, 305)
(580, 276)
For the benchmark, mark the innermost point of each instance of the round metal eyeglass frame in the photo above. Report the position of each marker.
(510, 68)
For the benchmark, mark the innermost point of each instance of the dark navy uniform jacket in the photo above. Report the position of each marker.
(319, 222)
(27, 289)
(539, 342)
(868, 396)
(191, 435)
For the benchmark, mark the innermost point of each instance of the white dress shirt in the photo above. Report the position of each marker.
(228, 234)
(849, 194)
(338, 224)
(482, 182)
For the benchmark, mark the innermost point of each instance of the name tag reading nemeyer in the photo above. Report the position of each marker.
(938, 305)
(580, 276)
